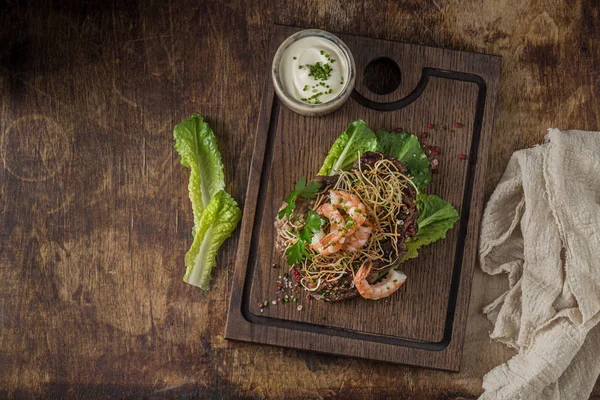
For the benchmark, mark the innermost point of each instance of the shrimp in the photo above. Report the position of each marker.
(358, 238)
(327, 210)
(330, 243)
(386, 287)
(341, 228)
(351, 205)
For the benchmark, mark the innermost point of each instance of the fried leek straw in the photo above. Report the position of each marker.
(380, 189)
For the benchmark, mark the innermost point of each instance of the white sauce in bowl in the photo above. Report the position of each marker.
(314, 70)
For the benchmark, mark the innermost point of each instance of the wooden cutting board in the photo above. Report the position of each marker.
(424, 322)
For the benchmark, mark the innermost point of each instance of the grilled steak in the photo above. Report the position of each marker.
(343, 288)
(409, 219)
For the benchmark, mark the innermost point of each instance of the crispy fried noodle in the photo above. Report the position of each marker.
(381, 189)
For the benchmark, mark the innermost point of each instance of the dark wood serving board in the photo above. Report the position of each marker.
(424, 322)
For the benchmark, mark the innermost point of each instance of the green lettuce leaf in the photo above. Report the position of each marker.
(216, 214)
(296, 253)
(406, 148)
(357, 137)
(436, 217)
(217, 223)
(314, 222)
(197, 146)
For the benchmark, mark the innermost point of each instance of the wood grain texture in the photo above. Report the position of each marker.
(422, 324)
(94, 214)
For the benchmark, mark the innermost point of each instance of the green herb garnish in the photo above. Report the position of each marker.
(314, 99)
(297, 252)
(318, 71)
(304, 190)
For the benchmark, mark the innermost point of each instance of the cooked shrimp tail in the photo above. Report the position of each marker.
(390, 283)
(330, 243)
(351, 205)
(358, 238)
(335, 218)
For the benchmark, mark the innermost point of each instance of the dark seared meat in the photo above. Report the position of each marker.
(369, 159)
(326, 181)
(409, 220)
(343, 288)
(303, 206)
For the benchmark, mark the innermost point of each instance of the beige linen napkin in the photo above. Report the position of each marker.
(542, 227)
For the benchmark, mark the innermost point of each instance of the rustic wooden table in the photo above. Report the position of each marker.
(94, 214)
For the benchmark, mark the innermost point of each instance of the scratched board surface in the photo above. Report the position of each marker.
(423, 323)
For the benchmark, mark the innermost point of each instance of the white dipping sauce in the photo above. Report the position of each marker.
(321, 58)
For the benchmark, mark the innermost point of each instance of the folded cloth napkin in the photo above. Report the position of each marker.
(541, 226)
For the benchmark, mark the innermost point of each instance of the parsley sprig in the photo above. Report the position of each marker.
(297, 251)
(307, 191)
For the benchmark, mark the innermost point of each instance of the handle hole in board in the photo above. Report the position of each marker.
(382, 76)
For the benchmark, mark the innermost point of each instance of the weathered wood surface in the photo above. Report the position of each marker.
(94, 215)
(424, 323)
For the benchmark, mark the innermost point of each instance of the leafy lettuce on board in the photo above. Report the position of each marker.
(406, 148)
(216, 214)
(436, 216)
(357, 138)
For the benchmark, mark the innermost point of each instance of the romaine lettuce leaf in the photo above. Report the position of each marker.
(357, 137)
(406, 148)
(217, 222)
(197, 146)
(436, 217)
(216, 213)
